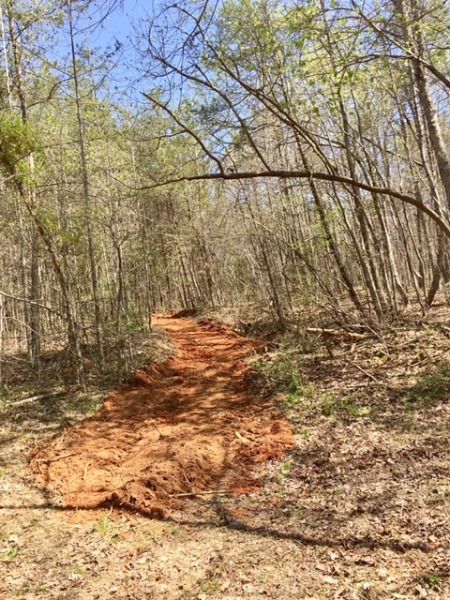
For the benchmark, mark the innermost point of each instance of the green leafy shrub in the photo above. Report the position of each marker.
(432, 387)
(17, 141)
(345, 407)
(280, 371)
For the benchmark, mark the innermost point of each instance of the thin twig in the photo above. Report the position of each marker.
(366, 373)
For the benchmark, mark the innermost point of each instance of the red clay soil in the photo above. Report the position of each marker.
(182, 427)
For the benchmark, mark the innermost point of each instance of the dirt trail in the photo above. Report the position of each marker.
(185, 426)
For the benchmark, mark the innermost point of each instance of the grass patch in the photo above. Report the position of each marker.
(281, 373)
(286, 469)
(432, 387)
(107, 529)
(10, 553)
(210, 587)
(346, 407)
(433, 581)
(304, 433)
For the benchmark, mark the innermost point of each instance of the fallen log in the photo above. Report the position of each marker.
(336, 333)
(50, 394)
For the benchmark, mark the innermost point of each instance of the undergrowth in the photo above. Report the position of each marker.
(432, 387)
(55, 378)
(281, 372)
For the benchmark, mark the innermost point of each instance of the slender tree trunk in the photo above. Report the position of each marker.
(86, 193)
(414, 38)
(35, 311)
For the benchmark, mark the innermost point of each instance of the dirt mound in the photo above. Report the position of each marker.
(176, 429)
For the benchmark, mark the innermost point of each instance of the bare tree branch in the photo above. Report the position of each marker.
(312, 175)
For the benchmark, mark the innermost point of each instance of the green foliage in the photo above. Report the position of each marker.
(132, 321)
(107, 529)
(301, 398)
(304, 393)
(432, 580)
(211, 587)
(346, 407)
(432, 387)
(10, 553)
(304, 432)
(281, 371)
(286, 469)
(17, 141)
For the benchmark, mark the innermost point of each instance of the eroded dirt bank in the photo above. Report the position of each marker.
(189, 425)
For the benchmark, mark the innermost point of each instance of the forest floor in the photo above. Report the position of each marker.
(359, 508)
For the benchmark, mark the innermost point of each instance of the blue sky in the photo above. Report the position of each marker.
(119, 25)
(99, 33)
(124, 24)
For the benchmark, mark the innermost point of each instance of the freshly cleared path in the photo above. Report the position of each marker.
(187, 426)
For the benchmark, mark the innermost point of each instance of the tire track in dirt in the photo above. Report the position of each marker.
(188, 425)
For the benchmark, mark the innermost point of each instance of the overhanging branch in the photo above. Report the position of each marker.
(279, 174)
